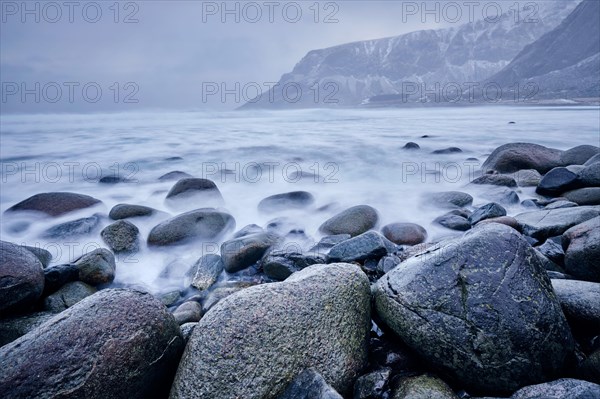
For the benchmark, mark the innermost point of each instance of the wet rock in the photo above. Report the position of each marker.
(240, 253)
(67, 296)
(206, 271)
(170, 298)
(124, 211)
(21, 277)
(328, 242)
(115, 180)
(372, 385)
(590, 368)
(580, 301)
(501, 195)
(248, 230)
(423, 386)
(411, 146)
(55, 204)
(553, 251)
(582, 250)
(453, 222)
(590, 175)
(487, 211)
(115, 343)
(280, 264)
(15, 327)
(121, 236)
(527, 177)
(495, 180)
(309, 384)
(505, 220)
(253, 343)
(565, 388)
(560, 204)
(387, 263)
(543, 224)
(592, 160)
(367, 245)
(557, 181)
(200, 224)
(221, 292)
(74, 228)
(175, 175)
(188, 312)
(282, 202)
(58, 275)
(194, 190)
(457, 304)
(510, 158)
(353, 221)
(450, 199)
(43, 255)
(187, 329)
(584, 196)
(579, 155)
(449, 150)
(404, 233)
(96, 267)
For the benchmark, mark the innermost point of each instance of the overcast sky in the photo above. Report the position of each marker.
(158, 54)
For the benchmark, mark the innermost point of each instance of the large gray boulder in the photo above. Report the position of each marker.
(121, 236)
(21, 277)
(580, 301)
(189, 191)
(200, 224)
(55, 204)
(582, 250)
(286, 201)
(114, 344)
(243, 252)
(553, 222)
(480, 309)
(97, 267)
(579, 155)
(254, 342)
(584, 196)
(124, 211)
(565, 388)
(367, 245)
(353, 221)
(509, 158)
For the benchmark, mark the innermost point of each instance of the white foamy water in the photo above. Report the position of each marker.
(347, 157)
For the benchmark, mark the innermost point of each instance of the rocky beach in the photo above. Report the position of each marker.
(496, 296)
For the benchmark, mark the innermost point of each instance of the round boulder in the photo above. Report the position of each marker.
(582, 250)
(21, 277)
(198, 224)
(124, 211)
(404, 233)
(513, 157)
(193, 190)
(55, 204)
(579, 155)
(121, 236)
(97, 267)
(285, 201)
(353, 221)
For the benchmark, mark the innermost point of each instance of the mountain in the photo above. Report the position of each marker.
(565, 62)
(351, 74)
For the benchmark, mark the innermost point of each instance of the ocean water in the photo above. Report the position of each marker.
(343, 157)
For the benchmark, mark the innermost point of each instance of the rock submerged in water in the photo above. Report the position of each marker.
(74, 228)
(193, 225)
(286, 201)
(450, 199)
(116, 343)
(480, 309)
(495, 180)
(353, 221)
(124, 211)
(121, 237)
(194, 190)
(253, 343)
(55, 204)
(21, 277)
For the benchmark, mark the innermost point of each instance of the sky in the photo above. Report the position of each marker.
(96, 56)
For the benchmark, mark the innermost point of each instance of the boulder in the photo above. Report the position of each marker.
(175, 175)
(495, 180)
(582, 250)
(579, 155)
(372, 385)
(549, 223)
(188, 312)
(44, 256)
(450, 199)
(286, 201)
(67, 296)
(74, 228)
(200, 224)
(96, 267)
(21, 277)
(526, 177)
(505, 220)
(553, 251)
(449, 150)
(584, 196)
(124, 211)
(411, 146)
(404, 233)
(453, 222)
(510, 158)
(327, 242)
(194, 190)
(592, 160)
(280, 264)
(488, 211)
(502, 195)
(369, 245)
(580, 301)
(590, 175)
(113, 344)
(423, 386)
(121, 237)
(565, 388)
(55, 204)
(253, 343)
(240, 253)
(353, 221)
(248, 230)
(480, 309)
(557, 181)
(309, 385)
(14, 327)
(206, 271)
(58, 275)
(561, 204)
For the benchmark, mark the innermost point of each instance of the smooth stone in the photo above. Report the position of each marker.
(592, 160)
(309, 384)
(21, 277)
(553, 251)
(113, 344)
(279, 265)
(124, 211)
(188, 312)
(387, 263)
(206, 271)
(557, 181)
(253, 343)
(15, 327)
(58, 275)
(55, 204)
(200, 224)
(96, 267)
(584, 196)
(549, 223)
(175, 175)
(495, 180)
(565, 388)
(561, 204)
(449, 150)
(44, 256)
(367, 245)
(114, 180)
(248, 230)
(240, 253)
(505, 220)
(580, 301)
(371, 385)
(423, 386)
(286, 201)
(501, 195)
(404, 233)
(456, 305)
(67, 296)
(170, 298)
(487, 211)
(353, 221)
(575, 168)
(590, 175)
(74, 228)
(411, 146)
(121, 236)
(194, 190)
(579, 155)
(450, 199)
(582, 250)
(453, 222)
(510, 158)
(326, 243)
(526, 177)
